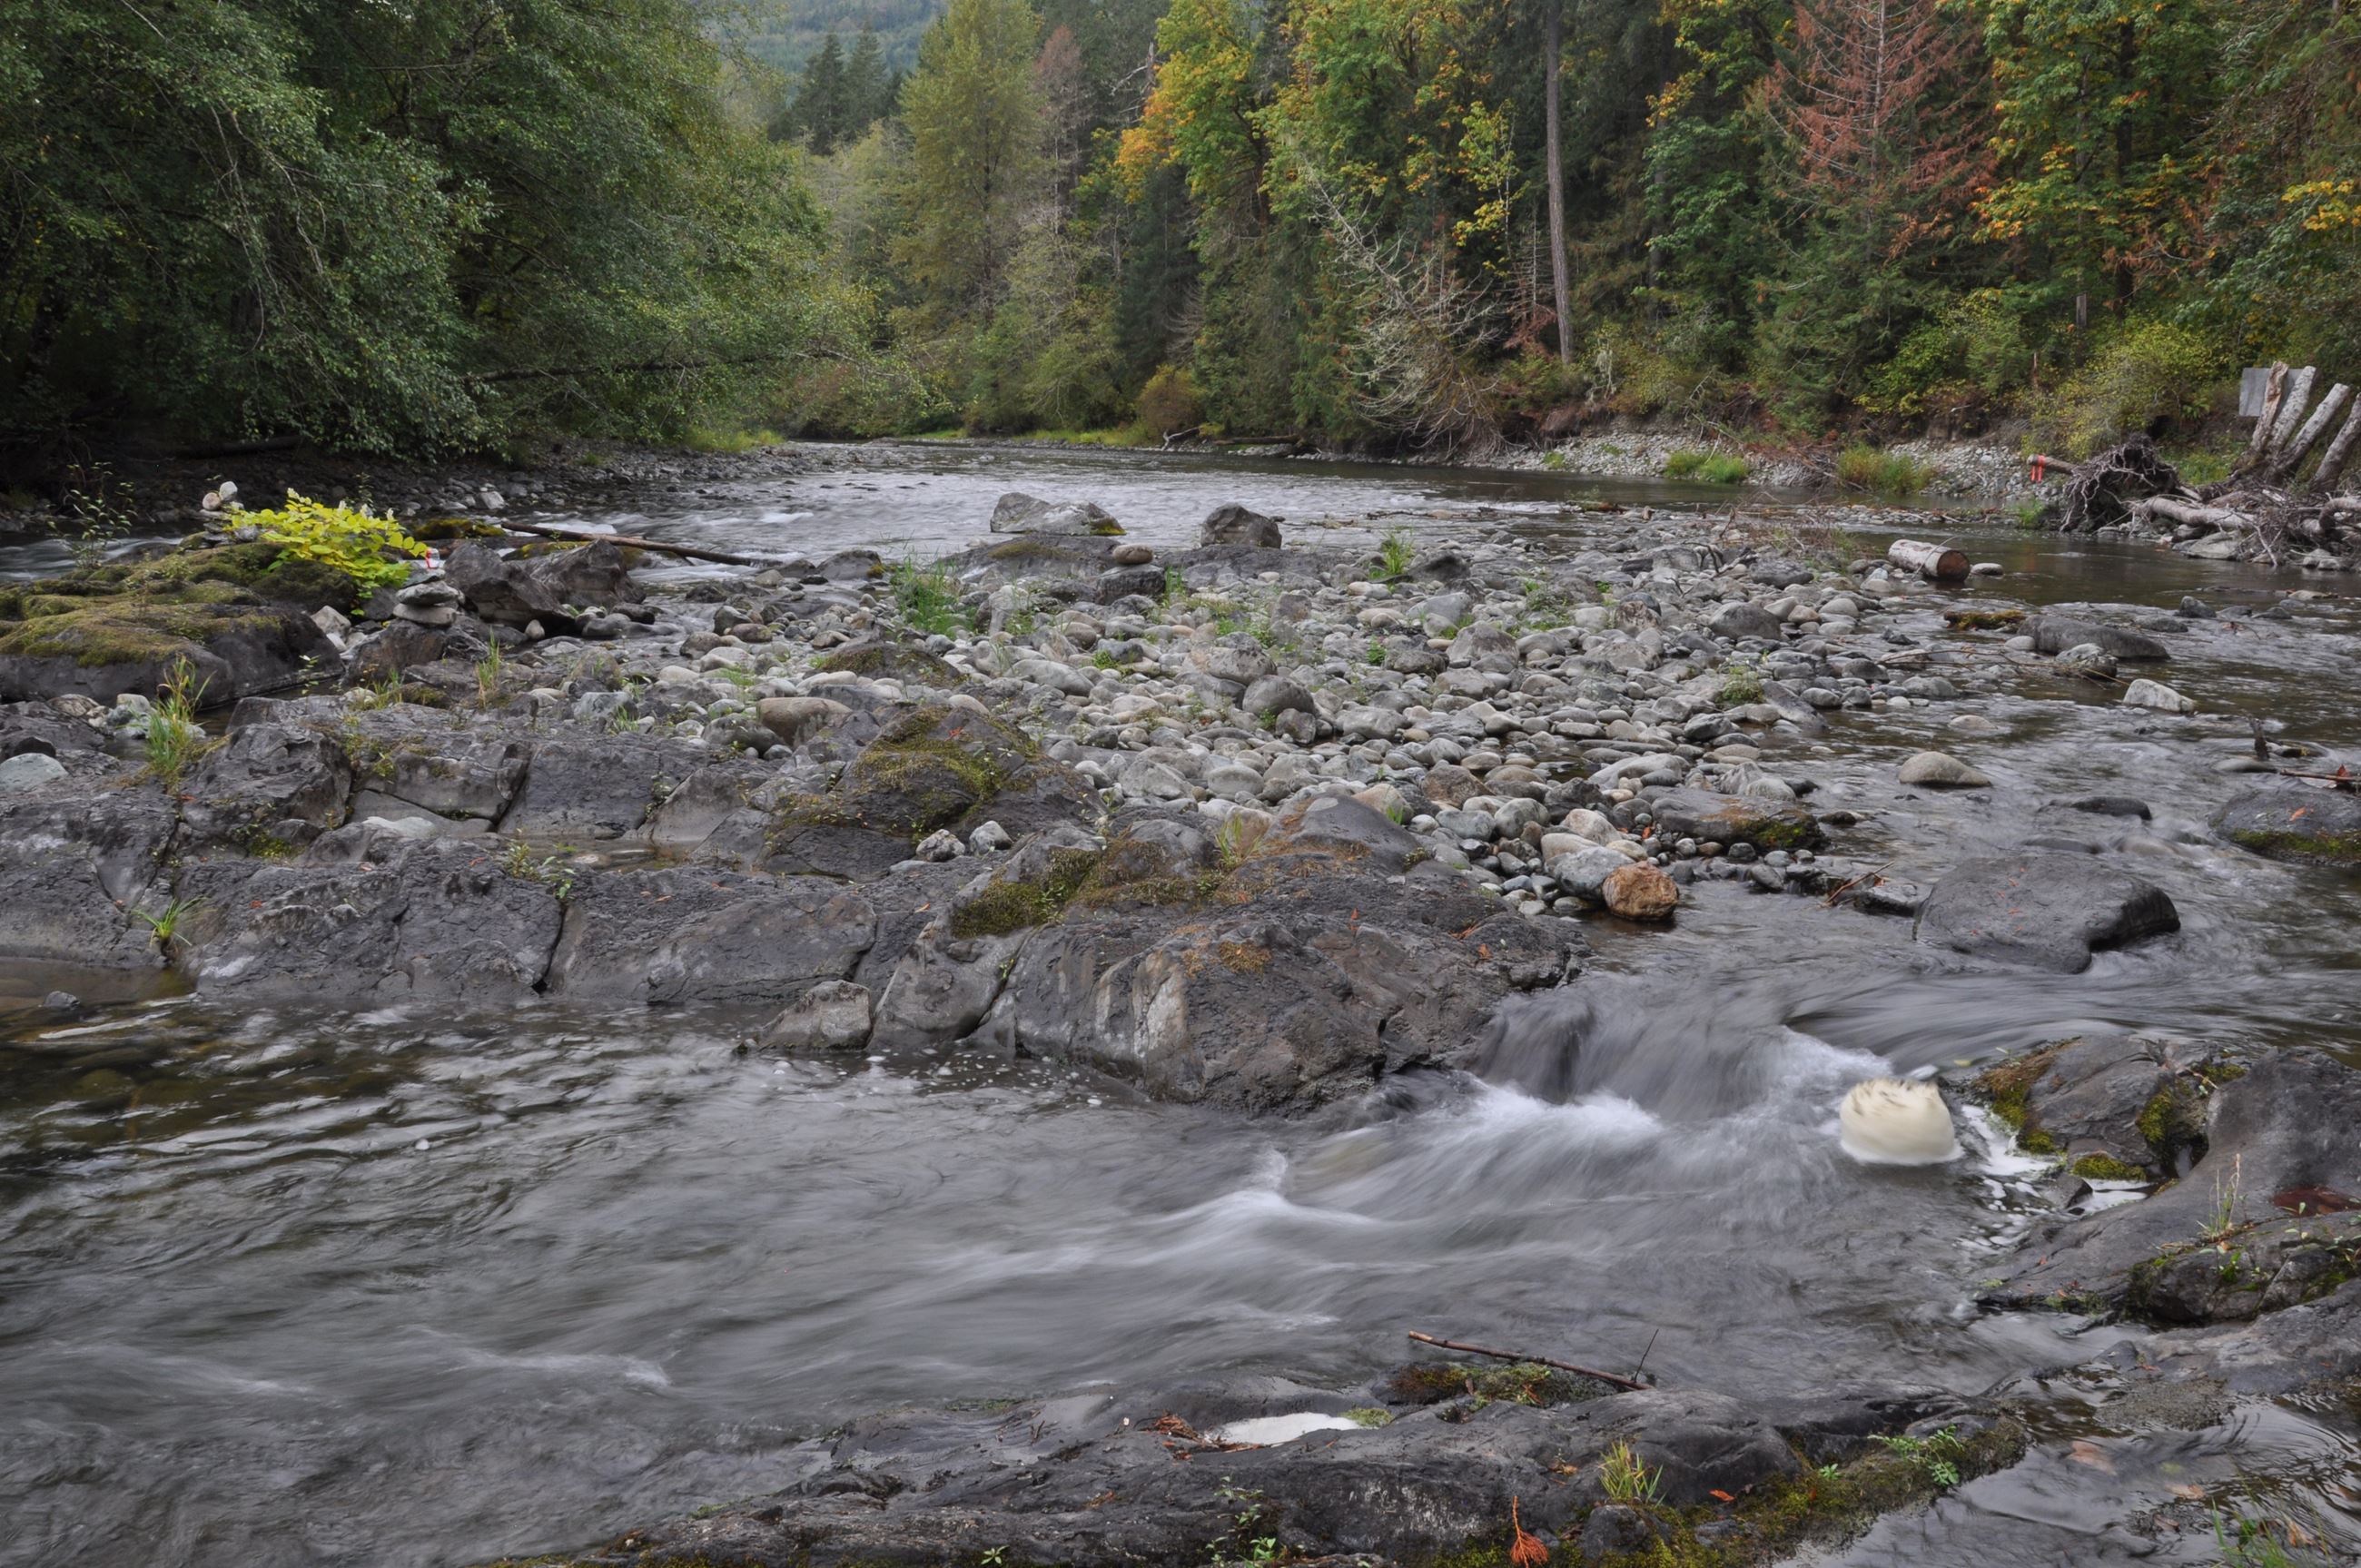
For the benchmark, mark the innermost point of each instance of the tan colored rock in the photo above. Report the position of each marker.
(791, 718)
(1641, 893)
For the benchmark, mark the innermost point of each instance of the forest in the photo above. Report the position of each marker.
(1403, 225)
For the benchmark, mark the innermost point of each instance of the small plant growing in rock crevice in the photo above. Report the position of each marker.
(1394, 555)
(1625, 1477)
(167, 925)
(1741, 684)
(927, 597)
(173, 738)
(1937, 1455)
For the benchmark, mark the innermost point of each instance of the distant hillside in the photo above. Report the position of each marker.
(788, 32)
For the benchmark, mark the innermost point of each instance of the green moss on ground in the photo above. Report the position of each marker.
(2107, 1168)
(1818, 1507)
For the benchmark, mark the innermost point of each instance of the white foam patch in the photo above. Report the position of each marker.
(1280, 1429)
(1498, 1110)
(590, 1368)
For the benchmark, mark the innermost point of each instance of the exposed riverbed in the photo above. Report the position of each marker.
(429, 1287)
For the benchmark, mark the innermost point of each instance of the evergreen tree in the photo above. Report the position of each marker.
(388, 227)
(821, 102)
(866, 95)
(974, 116)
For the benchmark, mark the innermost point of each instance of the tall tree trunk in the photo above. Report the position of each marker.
(1563, 297)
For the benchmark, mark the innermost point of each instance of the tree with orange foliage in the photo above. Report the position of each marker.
(1885, 134)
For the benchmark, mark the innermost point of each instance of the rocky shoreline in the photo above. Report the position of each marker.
(1268, 828)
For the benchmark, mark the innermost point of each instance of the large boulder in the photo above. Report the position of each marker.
(1019, 513)
(597, 790)
(1231, 523)
(588, 575)
(940, 765)
(2046, 910)
(2113, 1106)
(75, 865)
(2258, 1226)
(1269, 974)
(1735, 623)
(2292, 821)
(502, 591)
(408, 760)
(101, 648)
(267, 788)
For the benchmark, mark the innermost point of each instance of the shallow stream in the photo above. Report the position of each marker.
(416, 1288)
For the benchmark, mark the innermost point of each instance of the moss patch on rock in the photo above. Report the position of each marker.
(890, 661)
(133, 630)
(2008, 1087)
(1006, 905)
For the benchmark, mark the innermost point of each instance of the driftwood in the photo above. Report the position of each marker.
(1590, 1372)
(2287, 459)
(1939, 562)
(2339, 452)
(2102, 490)
(633, 541)
(2292, 407)
(2273, 393)
(2191, 514)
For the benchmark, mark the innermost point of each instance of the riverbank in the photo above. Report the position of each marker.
(1315, 831)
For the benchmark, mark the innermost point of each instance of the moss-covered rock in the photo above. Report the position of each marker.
(2290, 821)
(928, 769)
(884, 661)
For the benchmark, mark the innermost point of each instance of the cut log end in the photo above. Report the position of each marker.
(1940, 563)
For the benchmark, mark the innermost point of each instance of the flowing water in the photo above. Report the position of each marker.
(416, 1289)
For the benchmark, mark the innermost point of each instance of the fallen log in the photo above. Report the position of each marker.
(1592, 1372)
(633, 541)
(2190, 514)
(1939, 562)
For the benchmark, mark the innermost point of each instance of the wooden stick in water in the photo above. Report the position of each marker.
(1590, 1372)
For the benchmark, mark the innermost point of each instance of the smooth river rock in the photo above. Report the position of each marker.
(2048, 911)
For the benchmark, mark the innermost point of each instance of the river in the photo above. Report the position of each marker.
(416, 1289)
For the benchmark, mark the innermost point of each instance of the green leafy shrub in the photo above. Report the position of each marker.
(2147, 372)
(1975, 351)
(1168, 404)
(369, 549)
(1887, 473)
(1706, 467)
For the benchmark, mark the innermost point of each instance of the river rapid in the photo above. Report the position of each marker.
(425, 1288)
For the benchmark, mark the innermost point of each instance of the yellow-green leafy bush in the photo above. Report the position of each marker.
(368, 548)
